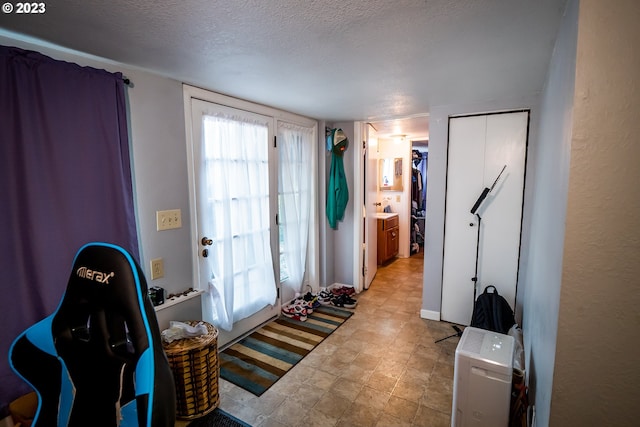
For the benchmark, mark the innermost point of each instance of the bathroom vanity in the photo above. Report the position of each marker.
(388, 236)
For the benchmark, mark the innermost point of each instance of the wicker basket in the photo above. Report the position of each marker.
(195, 367)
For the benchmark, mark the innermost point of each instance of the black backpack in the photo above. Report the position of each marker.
(492, 312)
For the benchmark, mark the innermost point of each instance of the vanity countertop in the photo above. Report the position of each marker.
(385, 215)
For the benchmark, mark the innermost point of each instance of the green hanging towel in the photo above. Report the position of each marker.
(338, 191)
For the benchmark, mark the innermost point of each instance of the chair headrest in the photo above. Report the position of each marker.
(106, 295)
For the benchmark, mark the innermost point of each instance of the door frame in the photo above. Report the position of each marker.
(358, 197)
(370, 224)
(358, 185)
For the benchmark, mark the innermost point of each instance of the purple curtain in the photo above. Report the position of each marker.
(65, 180)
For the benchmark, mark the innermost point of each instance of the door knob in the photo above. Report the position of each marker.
(205, 253)
(206, 241)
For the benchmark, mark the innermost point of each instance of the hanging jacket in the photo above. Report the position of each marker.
(337, 190)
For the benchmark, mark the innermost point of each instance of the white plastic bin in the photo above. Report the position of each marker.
(482, 379)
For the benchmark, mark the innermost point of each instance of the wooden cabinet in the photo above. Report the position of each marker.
(388, 238)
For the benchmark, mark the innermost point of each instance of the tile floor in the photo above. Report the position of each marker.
(380, 368)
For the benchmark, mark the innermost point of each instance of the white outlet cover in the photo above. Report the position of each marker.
(157, 268)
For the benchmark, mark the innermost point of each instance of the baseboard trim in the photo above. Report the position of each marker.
(429, 314)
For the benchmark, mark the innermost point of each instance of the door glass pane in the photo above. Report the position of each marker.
(236, 211)
(295, 193)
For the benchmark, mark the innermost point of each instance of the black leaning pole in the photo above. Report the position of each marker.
(474, 279)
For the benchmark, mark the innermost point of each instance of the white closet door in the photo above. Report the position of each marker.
(479, 146)
(501, 212)
(466, 160)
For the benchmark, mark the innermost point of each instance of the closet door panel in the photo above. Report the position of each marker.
(502, 210)
(465, 157)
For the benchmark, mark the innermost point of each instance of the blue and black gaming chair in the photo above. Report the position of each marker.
(98, 360)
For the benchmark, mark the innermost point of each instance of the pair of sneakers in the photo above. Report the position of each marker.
(343, 290)
(295, 311)
(301, 306)
(341, 298)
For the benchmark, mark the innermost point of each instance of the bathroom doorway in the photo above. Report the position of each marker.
(394, 143)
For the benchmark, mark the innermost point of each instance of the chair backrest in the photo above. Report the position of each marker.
(98, 359)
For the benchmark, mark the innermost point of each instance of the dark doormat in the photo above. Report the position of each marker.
(218, 418)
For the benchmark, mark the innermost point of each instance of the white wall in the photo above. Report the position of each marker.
(542, 254)
(597, 378)
(340, 244)
(160, 174)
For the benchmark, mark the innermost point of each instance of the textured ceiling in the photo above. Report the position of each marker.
(412, 128)
(328, 59)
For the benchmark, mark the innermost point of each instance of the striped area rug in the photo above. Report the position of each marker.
(256, 362)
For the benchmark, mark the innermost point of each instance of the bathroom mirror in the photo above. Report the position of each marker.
(390, 173)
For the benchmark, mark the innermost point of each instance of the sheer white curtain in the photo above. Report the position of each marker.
(296, 192)
(236, 182)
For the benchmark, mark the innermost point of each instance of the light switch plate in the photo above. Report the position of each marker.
(169, 219)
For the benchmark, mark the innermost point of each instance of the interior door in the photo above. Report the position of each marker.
(479, 147)
(219, 233)
(371, 198)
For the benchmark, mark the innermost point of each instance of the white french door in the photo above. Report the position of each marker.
(233, 169)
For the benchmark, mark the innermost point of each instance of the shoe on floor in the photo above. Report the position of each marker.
(324, 297)
(312, 299)
(295, 311)
(344, 301)
(307, 305)
(343, 290)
